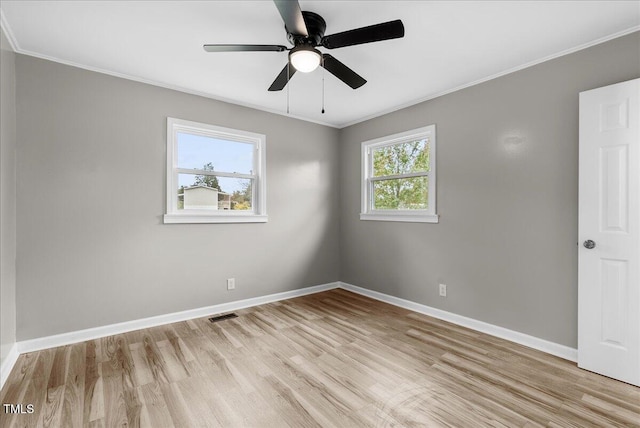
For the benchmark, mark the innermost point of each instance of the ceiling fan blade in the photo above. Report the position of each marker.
(244, 48)
(292, 16)
(342, 72)
(372, 33)
(282, 80)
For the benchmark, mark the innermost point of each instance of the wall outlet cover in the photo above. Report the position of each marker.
(443, 290)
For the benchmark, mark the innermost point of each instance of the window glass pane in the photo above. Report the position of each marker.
(199, 152)
(401, 158)
(401, 194)
(208, 192)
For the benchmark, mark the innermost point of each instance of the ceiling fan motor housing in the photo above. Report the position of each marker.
(305, 32)
(316, 26)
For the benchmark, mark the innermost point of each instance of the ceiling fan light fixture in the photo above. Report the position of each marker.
(305, 58)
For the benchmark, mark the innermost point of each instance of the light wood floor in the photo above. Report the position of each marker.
(329, 359)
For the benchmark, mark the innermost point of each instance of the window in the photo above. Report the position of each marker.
(399, 177)
(214, 174)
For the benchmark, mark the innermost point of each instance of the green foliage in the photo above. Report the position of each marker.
(401, 193)
(207, 180)
(241, 199)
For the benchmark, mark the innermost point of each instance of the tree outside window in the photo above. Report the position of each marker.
(398, 177)
(396, 160)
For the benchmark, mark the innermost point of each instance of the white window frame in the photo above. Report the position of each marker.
(258, 213)
(421, 216)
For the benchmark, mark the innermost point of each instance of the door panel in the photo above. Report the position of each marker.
(614, 201)
(614, 298)
(609, 215)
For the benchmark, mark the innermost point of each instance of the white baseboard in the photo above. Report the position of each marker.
(108, 330)
(8, 363)
(32, 345)
(552, 348)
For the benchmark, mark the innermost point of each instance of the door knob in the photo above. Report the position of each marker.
(589, 244)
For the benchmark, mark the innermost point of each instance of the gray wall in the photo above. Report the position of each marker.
(7, 198)
(92, 249)
(507, 197)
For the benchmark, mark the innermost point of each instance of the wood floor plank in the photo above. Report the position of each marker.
(332, 359)
(143, 374)
(73, 404)
(179, 409)
(52, 407)
(21, 373)
(174, 368)
(115, 406)
(154, 411)
(92, 399)
(288, 404)
(154, 360)
(99, 423)
(36, 390)
(328, 397)
(262, 413)
(54, 395)
(204, 403)
(96, 402)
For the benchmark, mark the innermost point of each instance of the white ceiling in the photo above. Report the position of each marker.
(447, 45)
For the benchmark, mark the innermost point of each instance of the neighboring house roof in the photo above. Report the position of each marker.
(206, 187)
(200, 185)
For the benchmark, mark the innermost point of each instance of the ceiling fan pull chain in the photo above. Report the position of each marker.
(322, 85)
(288, 75)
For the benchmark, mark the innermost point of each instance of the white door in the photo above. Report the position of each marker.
(609, 232)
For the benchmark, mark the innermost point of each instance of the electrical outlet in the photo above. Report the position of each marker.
(231, 284)
(443, 290)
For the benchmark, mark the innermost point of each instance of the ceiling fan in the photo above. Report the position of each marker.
(305, 31)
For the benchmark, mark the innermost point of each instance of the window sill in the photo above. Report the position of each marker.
(409, 218)
(208, 218)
